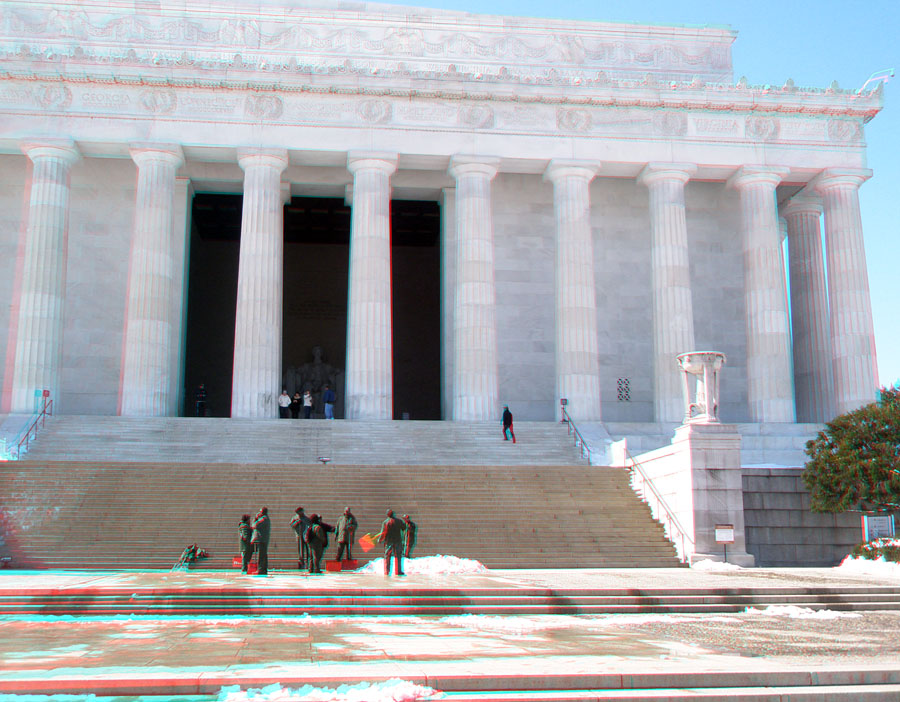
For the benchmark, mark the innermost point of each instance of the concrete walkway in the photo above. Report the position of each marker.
(128, 655)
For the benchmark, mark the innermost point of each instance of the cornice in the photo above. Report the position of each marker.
(715, 97)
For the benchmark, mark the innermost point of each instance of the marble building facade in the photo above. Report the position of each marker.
(610, 195)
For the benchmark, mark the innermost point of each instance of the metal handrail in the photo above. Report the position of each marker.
(30, 433)
(579, 439)
(666, 512)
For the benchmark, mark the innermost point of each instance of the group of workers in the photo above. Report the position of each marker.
(397, 535)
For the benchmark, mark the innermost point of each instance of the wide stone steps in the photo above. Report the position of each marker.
(142, 515)
(283, 441)
(413, 601)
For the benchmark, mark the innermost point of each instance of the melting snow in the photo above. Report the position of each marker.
(429, 565)
(864, 566)
(394, 690)
(714, 566)
(794, 612)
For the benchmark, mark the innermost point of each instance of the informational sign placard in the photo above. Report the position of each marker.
(877, 526)
(724, 533)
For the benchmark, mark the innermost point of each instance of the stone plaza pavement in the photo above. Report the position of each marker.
(195, 655)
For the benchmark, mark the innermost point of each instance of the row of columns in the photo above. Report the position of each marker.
(833, 350)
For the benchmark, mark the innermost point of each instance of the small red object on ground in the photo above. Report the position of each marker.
(348, 564)
(236, 561)
(333, 566)
(366, 542)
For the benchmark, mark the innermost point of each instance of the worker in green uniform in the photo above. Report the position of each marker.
(262, 528)
(246, 533)
(391, 535)
(299, 524)
(409, 536)
(346, 530)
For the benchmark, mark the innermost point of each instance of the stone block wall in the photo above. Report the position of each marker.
(783, 532)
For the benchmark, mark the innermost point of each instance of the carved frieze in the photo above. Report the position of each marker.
(670, 123)
(573, 119)
(263, 106)
(375, 111)
(844, 130)
(476, 116)
(761, 128)
(159, 102)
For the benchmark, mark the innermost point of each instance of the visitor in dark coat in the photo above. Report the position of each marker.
(346, 530)
(508, 424)
(391, 535)
(262, 527)
(246, 533)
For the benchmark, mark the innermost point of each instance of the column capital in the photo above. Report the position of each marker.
(804, 202)
(461, 165)
(564, 168)
(273, 158)
(63, 149)
(142, 153)
(384, 161)
(655, 172)
(753, 175)
(837, 177)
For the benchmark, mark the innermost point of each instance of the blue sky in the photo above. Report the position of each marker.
(814, 43)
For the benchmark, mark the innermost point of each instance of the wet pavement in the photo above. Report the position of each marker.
(143, 654)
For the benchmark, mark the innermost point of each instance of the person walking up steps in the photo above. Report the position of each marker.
(508, 424)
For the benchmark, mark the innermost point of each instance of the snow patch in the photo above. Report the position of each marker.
(794, 612)
(394, 690)
(505, 625)
(864, 566)
(429, 565)
(714, 566)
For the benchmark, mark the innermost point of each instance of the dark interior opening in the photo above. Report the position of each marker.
(316, 268)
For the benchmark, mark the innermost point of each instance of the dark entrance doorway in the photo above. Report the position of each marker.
(316, 263)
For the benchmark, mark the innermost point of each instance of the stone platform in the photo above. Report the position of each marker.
(735, 655)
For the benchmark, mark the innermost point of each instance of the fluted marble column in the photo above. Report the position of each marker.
(577, 352)
(370, 385)
(852, 331)
(42, 292)
(256, 381)
(475, 380)
(813, 378)
(150, 330)
(673, 308)
(770, 389)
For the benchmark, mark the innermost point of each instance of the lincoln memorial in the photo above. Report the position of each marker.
(441, 212)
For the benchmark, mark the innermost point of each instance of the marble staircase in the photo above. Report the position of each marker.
(117, 514)
(287, 442)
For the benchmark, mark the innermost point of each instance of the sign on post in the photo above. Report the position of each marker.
(725, 536)
(876, 526)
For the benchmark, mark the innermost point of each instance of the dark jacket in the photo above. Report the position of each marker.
(391, 531)
(409, 535)
(507, 418)
(262, 527)
(246, 533)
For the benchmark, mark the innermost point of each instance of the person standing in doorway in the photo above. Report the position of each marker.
(246, 533)
(262, 528)
(200, 400)
(391, 535)
(296, 404)
(284, 404)
(307, 404)
(508, 424)
(328, 397)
